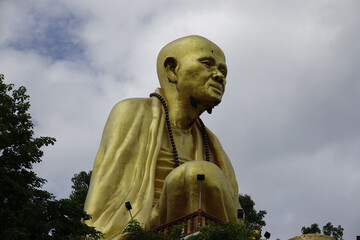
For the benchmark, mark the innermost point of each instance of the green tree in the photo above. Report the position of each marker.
(335, 232)
(21, 199)
(136, 232)
(328, 229)
(27, 211)
(80, 187)
(252, 217)
(314, 229)
(64, 216)
(67, 213)
(176, 233)
(228, 231)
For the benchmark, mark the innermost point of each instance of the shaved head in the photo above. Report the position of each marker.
(174, 51)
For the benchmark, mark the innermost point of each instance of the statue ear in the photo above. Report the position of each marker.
(170, 65)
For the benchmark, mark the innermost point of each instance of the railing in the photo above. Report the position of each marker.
(191, 223)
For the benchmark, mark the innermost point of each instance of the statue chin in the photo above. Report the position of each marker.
(213, 104)
(207, 104)
(212, 100)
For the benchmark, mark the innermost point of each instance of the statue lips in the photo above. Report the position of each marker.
(217, 87)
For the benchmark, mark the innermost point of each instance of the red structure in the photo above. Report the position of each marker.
(191, 223)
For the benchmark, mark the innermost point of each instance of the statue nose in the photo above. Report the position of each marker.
(218, 77)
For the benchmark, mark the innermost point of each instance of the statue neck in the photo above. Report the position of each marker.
(182, 113)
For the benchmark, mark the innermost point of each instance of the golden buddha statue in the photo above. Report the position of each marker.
(153, 148)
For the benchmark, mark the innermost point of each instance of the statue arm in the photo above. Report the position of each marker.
(223, 162)
(124, 166)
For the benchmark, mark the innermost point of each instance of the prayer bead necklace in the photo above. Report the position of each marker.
(203, 131)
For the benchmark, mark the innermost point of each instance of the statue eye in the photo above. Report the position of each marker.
(206, 63)
(223, 72)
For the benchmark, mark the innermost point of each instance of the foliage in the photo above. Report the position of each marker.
(27, 211)
(252, 217)
(81, 183)
(65, 215)
(314, 229)
(21, 200)
(335, 232)
(328, 229)
(136, 232)
(228, 231)
(176, 233)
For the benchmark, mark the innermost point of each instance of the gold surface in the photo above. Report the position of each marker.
(312, 237)
(192, 73)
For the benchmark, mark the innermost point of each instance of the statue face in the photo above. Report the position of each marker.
(201, 75)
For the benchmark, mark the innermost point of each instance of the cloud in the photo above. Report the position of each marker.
(288, 120)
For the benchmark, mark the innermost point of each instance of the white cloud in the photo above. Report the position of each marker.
(289, 118)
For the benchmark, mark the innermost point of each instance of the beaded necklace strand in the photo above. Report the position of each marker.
(203, 131)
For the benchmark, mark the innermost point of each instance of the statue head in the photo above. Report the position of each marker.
(193, 69)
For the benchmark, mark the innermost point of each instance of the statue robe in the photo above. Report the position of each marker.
(125, 165)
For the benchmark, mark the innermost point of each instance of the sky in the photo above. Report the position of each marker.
(289, 119)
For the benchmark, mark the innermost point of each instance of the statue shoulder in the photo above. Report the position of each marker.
(124, 114)
(133, 102)
(131, 105)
